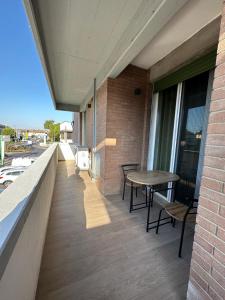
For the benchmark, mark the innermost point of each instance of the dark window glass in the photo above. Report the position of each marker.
(192, 120)
(164, 131)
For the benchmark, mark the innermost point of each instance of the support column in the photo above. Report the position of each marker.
(93, 167)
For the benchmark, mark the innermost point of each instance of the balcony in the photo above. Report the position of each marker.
(93, 248)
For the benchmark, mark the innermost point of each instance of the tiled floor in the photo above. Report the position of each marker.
(95, 249)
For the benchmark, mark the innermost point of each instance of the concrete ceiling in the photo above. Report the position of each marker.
(79, 40)
(194, 15)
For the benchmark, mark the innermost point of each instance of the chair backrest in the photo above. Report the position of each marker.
(187, 188)
(126, 168)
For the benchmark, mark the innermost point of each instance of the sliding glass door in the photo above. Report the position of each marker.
(177, 126)
(192, 121)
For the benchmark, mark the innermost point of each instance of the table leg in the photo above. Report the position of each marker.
(149, 208)
(131, 197)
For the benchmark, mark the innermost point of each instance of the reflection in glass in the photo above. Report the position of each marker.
(193, 111)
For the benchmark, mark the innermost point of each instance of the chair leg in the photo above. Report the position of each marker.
(124, 186)
(146, 196)
(136, 192)
(181, 238)
(158, 222)
(151, 201)
(174, 222)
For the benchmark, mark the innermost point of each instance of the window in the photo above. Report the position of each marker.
(164, 128)
(179, 124)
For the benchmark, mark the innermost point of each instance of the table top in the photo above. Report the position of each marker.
(152, 178)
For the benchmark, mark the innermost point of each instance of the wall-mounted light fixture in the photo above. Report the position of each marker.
(137, 92)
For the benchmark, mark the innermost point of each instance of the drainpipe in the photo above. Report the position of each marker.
(94, 132)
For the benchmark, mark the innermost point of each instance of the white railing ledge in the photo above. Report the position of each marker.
(16, 202)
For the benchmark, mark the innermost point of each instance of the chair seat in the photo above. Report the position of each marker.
(178, 211)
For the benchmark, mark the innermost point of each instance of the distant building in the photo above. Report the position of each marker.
(28, 133)
(2, 127)
(66, 131)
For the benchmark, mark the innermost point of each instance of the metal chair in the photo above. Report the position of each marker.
(126, 168)
(184, 211)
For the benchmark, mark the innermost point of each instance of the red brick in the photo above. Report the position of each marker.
(219, 82)
(220, 59)
(212, 195)
(216, 128)
(124, 117)
(203, 263)
(214, 162)
(212, 184)
(218, 94)
(217, 117)
(211, 216)
(206, 280)
(202, 253)
(217, 105)
(221, 234)
(219, 256)
(220, 69)
(219, 268)
(221, 46)
(212, 239)
(210, 233)
(202, 294)
(215, 151)
(209, 204)
(203, 243)
(214, 173)
(218, 277)
(201, 282)
(216, 139)
(213, 294)
(206, 224)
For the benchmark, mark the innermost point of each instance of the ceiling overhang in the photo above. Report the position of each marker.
(67, 107)
(80, 40)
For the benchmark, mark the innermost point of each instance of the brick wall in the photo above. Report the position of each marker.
(207, 275)
(125, 127)
(122, 127)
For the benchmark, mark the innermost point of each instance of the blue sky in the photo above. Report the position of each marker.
(25, 100)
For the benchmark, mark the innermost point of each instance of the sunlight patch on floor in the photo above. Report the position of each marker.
(70, 168)
(95, 211)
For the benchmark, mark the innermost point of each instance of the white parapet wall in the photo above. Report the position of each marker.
(66, 151)
(24, 213)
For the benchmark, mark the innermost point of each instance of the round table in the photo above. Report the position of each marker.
(151, 179)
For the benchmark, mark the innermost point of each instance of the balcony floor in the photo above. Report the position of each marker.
(95, 249)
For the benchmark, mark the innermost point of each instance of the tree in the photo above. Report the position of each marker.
(9, 131)
(48, 124)
(26, 135)
(54, 130)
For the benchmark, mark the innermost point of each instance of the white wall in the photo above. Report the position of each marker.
(20, 278)
(66, 151)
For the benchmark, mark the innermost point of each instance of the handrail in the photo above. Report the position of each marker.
(16, 203)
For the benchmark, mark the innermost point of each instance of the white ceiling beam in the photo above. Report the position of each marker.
(40, 45)
(145, 25)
